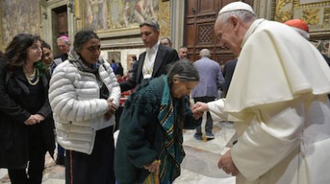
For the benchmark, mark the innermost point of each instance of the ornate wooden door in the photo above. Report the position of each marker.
(199, 32)
(60, 25)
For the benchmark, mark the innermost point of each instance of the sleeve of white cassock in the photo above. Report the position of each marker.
(216, 110)
(272, 135)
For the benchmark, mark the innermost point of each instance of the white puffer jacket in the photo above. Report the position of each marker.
(78, 110)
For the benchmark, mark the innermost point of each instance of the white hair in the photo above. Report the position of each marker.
(205, 53)
(244, 15)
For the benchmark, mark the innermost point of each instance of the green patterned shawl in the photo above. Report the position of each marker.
(172, 152)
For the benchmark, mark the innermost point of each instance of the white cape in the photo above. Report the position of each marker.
(282, 115)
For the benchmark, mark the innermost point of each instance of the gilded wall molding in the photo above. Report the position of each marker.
(316, 15)
(164, 18)
(265, 8)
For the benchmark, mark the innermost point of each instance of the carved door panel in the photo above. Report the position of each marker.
(199, 29)
(60, 25)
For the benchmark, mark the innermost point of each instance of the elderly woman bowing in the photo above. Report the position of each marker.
(149, 145)
(84, 95)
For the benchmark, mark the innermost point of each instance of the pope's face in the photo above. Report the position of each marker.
(227, 33)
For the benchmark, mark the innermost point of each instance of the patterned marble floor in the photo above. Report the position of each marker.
(198, 167)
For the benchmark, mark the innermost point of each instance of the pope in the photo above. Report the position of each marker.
(277, 99)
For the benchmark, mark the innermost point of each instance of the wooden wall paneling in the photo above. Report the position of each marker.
(190, 35)
(190, 11)
(206, 6)
(205, 34)
(199, 29)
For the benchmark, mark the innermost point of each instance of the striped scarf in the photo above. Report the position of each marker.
(172, 152)
(75, 58)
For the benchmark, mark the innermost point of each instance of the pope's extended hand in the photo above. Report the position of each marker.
(226, 164)
(199, 108)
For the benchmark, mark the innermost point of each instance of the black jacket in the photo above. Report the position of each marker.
(164, 57)
(14, 134)
(228, 73)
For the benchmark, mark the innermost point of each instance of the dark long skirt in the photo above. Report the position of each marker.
(97, 168)
(37, 152)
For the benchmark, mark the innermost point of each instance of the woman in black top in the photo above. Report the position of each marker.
(26, 126)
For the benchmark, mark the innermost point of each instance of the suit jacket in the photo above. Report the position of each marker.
(211, 78)
(228, 73)
(164, 57)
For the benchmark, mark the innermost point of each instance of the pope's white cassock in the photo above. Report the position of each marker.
(277, 99)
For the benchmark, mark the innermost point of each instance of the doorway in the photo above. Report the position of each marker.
(199, 34)
(59, 25)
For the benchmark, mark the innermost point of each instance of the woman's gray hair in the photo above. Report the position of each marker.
(183, 70)
(244, 15)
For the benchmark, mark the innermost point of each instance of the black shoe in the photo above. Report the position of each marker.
(209, 136)
(60, 160)
(198, 137)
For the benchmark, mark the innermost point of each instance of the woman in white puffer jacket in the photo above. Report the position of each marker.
(84, 95)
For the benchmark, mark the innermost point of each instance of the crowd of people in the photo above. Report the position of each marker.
(275, 92)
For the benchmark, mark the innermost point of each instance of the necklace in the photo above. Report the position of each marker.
(32, 77)
(148, 65)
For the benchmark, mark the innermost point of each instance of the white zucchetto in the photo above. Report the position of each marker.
(236, 6)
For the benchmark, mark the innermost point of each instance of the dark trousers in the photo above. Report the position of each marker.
(96, 168)
(37, 152)
(118, 113)
(60, 150)
(209, 121)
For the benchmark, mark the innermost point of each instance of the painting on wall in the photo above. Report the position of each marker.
(129, 61)
(19, 16)
(316, 13)
(107, 15)
(114, 55)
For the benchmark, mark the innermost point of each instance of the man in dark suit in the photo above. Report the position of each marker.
(228, 72)
(152, 63)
